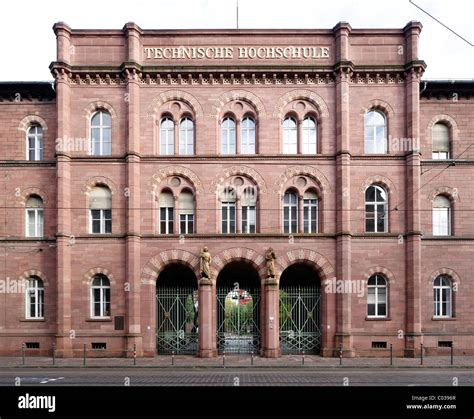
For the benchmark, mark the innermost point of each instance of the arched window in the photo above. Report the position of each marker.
(375, 133)
(442, 297)
(248, 200)
(100, 207)
(228, 211)
(34, 217)
(377, 296)
(247, 145)
(290, 136)
(34, 140)
(166, 202)
(309, 136)
(100, 297)
(101, 134)
(186, 137)
(186, 213)
(376, 209)
(34, 298)
(166, 137)
(290, 212)
(228, 145)
(441, 140)
(441, 216)
(310, 212)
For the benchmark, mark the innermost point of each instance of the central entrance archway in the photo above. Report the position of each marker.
(176, 311)
(300, 310)
(238, 309)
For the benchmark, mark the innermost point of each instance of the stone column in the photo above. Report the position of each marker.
(64, 330)
(133, 262)
(343, 186)
(271, 344)
(300, 226)
(415, 68)
(207, 348)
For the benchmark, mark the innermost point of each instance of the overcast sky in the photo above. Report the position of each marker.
(28, 44)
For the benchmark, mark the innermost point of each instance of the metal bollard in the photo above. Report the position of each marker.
(340, 356)
(452, 353)
(134, 354)
(223, 359)
(54, 354)
(251, 358)
(84, 356)
(23, 354)
(172, 357)
(421, 354)
(391, 354)
(302, 359)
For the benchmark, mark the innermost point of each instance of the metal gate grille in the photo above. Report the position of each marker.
(238, 320)
(300, 316)
(177, 321)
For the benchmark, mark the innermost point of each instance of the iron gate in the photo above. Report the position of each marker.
(177, 320)
(238, 320)
(300, 319)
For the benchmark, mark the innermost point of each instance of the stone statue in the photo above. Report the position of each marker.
(205, 266)
(270, 258)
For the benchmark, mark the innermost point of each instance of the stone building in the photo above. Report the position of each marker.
(324, 145)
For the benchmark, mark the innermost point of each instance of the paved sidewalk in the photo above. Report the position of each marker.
(241, 361)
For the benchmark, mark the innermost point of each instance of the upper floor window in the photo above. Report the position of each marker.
(248, 201)
(309, 136)
(34, 298)
(167, 136)
(441, 216)
(34, 217)
(100, 207)
(442, 297)
(100, 297)
(290, 136)
(376, 206)
(310, 212)
(290, 212)
(186, 136)
(247, 145)
(101, 134)
(440, 134)
(34, 143)
(166, 212)
(228, 136)
(186, 213)
(375, 133)
(377, 296)
(228, 211)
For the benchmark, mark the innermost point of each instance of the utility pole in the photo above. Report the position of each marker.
(237, 14)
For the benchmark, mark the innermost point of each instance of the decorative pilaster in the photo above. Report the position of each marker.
(133, 251)
(343, 184)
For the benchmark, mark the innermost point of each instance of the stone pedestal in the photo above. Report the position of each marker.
(271, 344)
(206, 331)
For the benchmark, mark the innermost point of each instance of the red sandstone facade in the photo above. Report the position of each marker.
(141, 76)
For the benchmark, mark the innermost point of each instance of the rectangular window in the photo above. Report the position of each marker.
(290, 219)
(186, 224)
(228, 217)
(441, 218)
(166, 220)
(248, 219)
(34, 222)
(310, 216)
(101, 221)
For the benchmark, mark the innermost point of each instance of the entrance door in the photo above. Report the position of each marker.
(176, 311)
(300, 310)
(238, 309)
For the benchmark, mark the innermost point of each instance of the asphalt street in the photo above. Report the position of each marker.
(234, 377)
